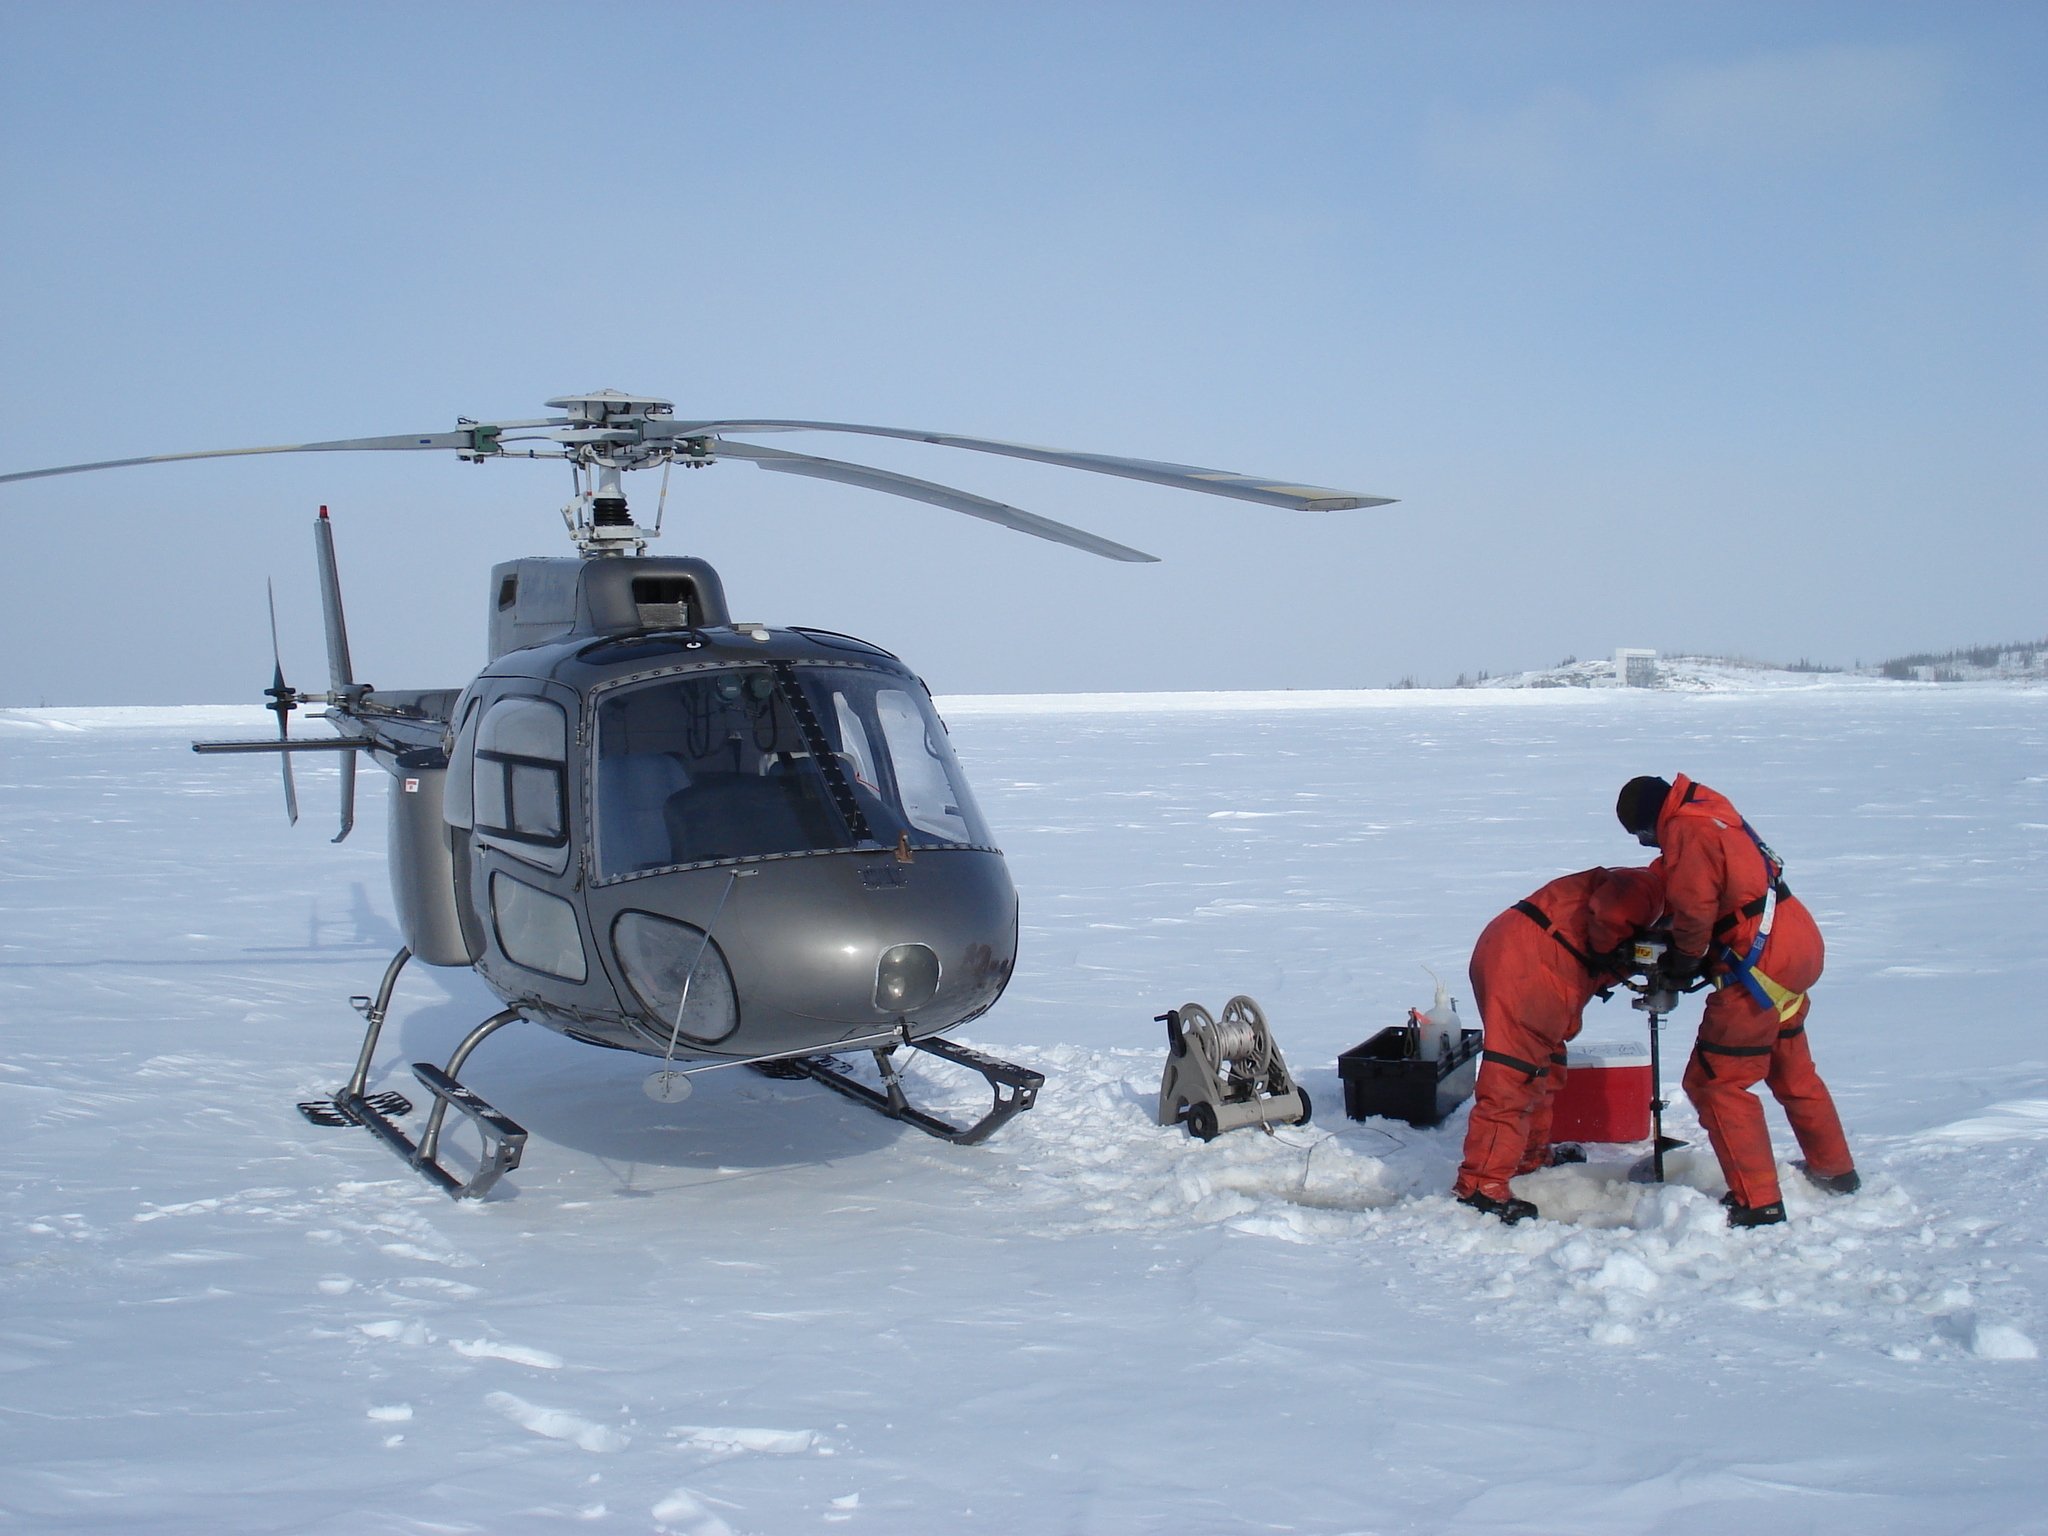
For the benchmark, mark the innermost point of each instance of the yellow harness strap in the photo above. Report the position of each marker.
(1784, 1000)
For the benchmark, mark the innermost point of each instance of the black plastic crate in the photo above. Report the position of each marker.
(1381, 1077)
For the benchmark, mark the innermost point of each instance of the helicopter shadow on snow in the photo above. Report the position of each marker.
(586, 1099)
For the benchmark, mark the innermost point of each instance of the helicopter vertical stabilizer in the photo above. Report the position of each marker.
(341, 675)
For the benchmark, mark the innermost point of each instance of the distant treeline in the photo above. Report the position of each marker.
(1985, 658)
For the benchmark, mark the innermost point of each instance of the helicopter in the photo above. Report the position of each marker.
(654, 829)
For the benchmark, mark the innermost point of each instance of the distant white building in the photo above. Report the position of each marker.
(1634, 669)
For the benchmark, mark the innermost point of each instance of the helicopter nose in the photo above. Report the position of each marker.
(816, 941)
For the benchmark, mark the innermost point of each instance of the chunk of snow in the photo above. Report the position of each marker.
(2001, 1341)
(496, 1349)
(683, 1512)
(1624, 1271)
(772, 1442)
(557, 1423)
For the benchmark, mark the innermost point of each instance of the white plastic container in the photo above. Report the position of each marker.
(1441, 1029)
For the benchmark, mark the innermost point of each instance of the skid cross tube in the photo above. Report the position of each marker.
(1022, 1082)
(504, 1140)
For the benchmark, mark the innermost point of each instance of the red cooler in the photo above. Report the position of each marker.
(1606, 1092)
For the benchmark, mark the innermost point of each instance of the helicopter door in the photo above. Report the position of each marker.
(519, 806)
(519, 787)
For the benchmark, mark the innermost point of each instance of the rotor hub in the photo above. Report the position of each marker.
(610, 407)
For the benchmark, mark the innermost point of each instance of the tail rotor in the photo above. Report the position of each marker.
(283, 700)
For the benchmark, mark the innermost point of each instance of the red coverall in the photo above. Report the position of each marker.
(1715, 878)
(1532, 992)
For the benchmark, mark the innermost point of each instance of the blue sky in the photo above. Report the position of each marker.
(1692, 326)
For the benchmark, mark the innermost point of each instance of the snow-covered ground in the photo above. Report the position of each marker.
(766, 1310)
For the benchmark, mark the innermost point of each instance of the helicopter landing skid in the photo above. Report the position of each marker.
(1022, 1082)
(504, 1140)
(329, 1112)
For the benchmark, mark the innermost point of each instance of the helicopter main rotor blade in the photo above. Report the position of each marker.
(936, 495)
(466, 439)
(1185, 477)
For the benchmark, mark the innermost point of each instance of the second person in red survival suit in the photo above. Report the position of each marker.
(1732, 918)
(1534, 970)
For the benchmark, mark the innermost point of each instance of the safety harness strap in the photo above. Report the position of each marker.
(1755, 908)
(1735, 1050)
(1500, 1058)
(1767, 993)
(1541, 919)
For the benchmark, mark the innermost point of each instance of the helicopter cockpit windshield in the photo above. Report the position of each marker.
(738, 763)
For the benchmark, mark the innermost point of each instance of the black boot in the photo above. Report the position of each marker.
(1740, 1215)
(1834, 1183)
(1562, 1152)
(1509, 1210)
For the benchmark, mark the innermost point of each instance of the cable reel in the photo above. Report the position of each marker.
(1223, 1074)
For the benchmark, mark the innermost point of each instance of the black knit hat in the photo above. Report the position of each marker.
(1640, 803)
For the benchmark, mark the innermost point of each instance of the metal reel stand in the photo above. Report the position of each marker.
(1225, 1073)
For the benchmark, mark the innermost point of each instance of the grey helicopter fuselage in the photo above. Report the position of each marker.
(636, 793)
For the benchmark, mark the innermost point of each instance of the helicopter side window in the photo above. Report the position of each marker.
(537, 930)
(929, 797)
(519, 795)
(896, 758)
(853, 745)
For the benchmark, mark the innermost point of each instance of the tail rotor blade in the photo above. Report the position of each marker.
(340, 670)
(283, 701)
(348, 793)
(276, 655)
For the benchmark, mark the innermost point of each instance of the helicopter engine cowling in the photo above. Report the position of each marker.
(421, 847)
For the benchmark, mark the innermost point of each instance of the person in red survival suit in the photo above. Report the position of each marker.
(1534, 970)
(1732, 919)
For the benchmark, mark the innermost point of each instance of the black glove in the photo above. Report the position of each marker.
(1680, 970)
(1618, 961)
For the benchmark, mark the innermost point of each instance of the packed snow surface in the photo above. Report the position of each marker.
(767, 1310)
